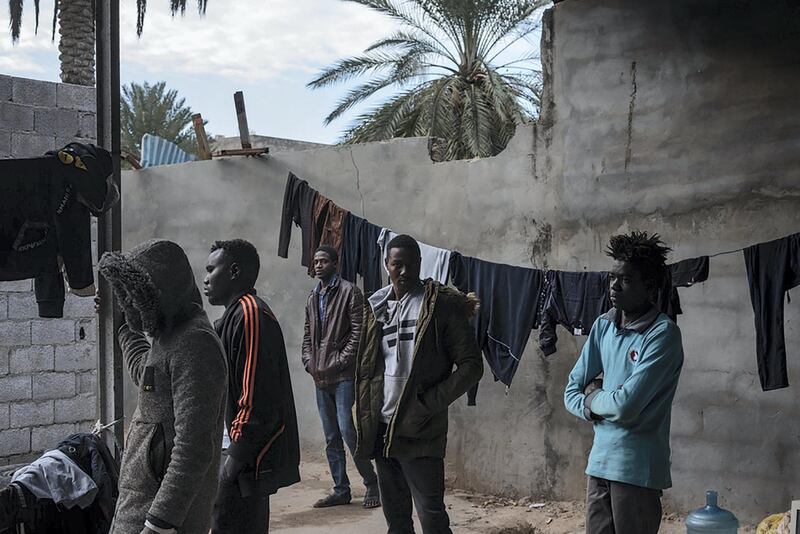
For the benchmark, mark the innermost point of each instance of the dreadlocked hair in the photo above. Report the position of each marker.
(646, 252)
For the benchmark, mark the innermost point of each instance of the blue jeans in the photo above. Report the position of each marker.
(335, 405)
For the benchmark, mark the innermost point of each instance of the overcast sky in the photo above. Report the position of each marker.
(269, 50)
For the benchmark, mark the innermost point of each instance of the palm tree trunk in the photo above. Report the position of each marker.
(76, 46)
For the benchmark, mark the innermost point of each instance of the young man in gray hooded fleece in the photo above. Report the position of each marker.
(168, 480)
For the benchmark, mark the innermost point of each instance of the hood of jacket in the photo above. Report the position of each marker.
(89, 171)
(154, 284)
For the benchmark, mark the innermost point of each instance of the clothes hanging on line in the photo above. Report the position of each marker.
(684, 273)
(435, 261)
(46, 205)
(773, 268)
(298, 208)
(327, 227)
(509, 298)
(360, 253)
(574, 300)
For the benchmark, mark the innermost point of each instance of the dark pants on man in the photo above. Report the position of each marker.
(619, 508)
(402, 480)
(335, 404)
(237, 514)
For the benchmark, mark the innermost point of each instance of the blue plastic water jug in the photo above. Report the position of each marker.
(711, 518)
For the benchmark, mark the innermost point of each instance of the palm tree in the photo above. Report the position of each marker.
(445, 63)
(154, 109)
(76, 27)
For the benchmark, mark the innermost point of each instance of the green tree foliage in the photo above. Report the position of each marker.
(156, 110)
(444, 65)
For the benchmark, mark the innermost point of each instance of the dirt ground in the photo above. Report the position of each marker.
(291, 511)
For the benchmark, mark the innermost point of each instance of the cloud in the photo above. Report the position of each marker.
(247, 40)
(29, 55)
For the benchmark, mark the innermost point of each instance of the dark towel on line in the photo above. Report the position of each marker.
(772, 269)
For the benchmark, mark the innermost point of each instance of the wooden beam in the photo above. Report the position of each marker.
(203, 150)
(242, 152)
(241, 116)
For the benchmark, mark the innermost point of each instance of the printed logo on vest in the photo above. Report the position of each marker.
(634, 355)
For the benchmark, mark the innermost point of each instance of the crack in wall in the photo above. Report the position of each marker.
(358, 183)
(631, 107)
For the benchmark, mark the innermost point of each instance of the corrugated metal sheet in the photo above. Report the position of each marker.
(158, 151)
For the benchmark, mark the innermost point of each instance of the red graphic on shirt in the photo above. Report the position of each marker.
(634, 356)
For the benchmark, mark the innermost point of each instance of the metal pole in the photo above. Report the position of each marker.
(109, 226)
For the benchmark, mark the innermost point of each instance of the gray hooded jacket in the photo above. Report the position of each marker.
(172, 450)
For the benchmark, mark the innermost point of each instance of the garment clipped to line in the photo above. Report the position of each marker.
(435, 261)
(574, 300)
(46, 205)
(327, 228)
(361, 254)
(684, 273)
(509, 299)
(298, 208)
(773, 269)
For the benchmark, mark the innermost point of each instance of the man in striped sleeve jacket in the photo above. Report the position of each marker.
(263, 450)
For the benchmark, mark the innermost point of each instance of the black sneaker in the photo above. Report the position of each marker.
(333, 500)
(372, 498)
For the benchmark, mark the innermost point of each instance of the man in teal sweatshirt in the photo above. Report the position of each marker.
(639, 354)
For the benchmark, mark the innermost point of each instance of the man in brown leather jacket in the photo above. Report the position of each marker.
(334, 314)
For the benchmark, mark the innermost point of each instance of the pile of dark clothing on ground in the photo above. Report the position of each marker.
(71, 489)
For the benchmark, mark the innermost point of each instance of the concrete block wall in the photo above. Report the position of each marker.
(48, 367)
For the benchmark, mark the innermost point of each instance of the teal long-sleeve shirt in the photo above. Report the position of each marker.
(641, 364)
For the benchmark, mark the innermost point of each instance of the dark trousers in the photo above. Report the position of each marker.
(402, 480)
(335, 404)
(772, 269)
(235, 514)
(619, 508)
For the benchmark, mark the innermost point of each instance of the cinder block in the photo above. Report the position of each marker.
(30, 145)
(31, 359)
(14, 388)
(86, 330)
(16, 118)
(34, 92)
(53, 331)
(53, 385)
(58, 122)
(85, 426)
(15, 333)
(86, 382)
(76, 409)
(31, 414)
(3, 306)
(61, 142)
(87, 125)
(22, 306)
(78, 307)
(5, 145)
(6, 83)
(17, 441)
(5, 422)
(4, 358)
(75, 357)
(76, 97)
(47, 437)
(17, 285)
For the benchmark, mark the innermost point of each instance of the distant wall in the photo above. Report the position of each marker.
(47, 366)
(670, 116)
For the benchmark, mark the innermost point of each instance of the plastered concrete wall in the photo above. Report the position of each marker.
(701, 146)
(47, 366)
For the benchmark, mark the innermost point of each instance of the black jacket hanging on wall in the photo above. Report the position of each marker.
(772, 269)
(45, 209)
